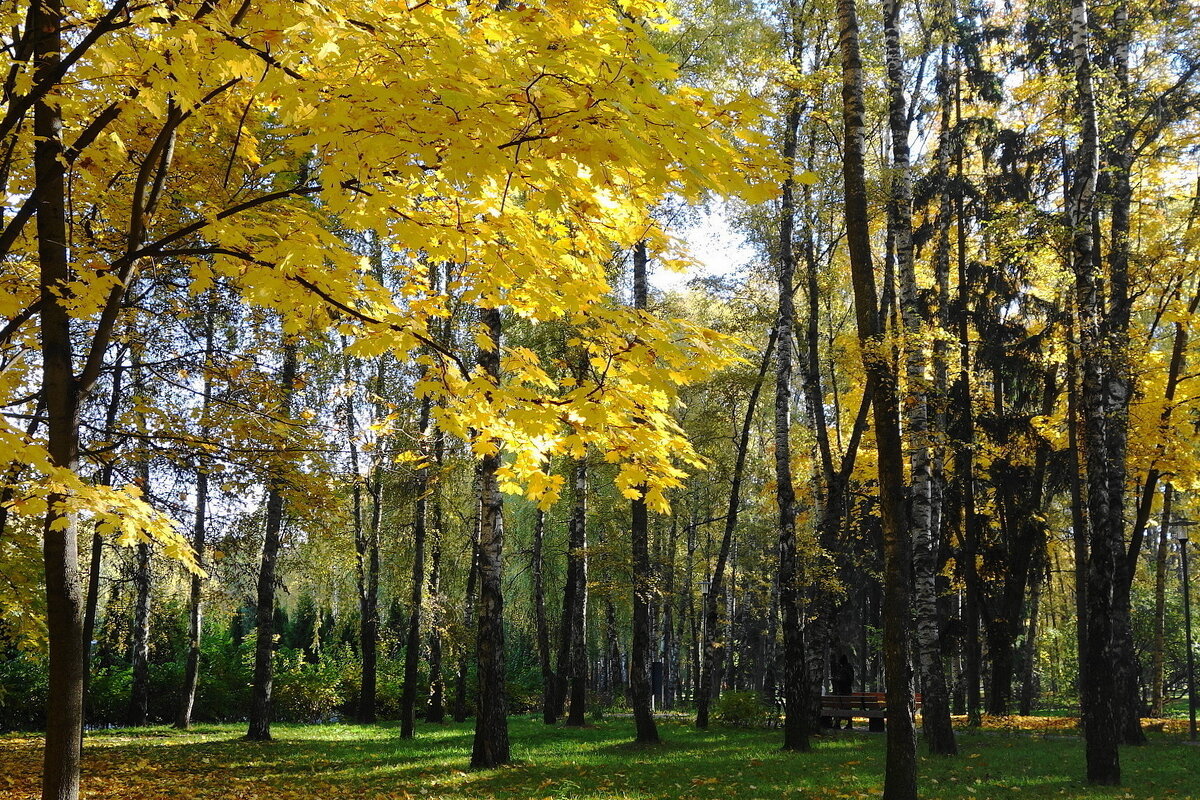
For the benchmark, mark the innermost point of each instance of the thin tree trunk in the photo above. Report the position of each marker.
(97, 553)
(795, 680)
(935, 714)
(572, 655)
(1101, 731)
(436, 711)
(264, 646)
(460, 681)
(191, 672)
(1157, 673)
(542, 627)
(900, 772)
(412, 646)
(490, 747)
(640, 690)
(964, 456)
(711, 680)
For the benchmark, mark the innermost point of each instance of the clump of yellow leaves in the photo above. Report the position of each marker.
(520, 145)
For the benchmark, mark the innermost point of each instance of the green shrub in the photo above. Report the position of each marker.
(742, 708)
(23, 691)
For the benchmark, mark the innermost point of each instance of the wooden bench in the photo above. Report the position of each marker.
(871, 706)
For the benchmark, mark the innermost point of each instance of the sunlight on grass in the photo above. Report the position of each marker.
(336, 762)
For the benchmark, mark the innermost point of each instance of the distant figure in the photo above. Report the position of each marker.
(843, 684)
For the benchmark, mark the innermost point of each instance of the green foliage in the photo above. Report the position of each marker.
(313, 692)
(742, 708)
(22, 690)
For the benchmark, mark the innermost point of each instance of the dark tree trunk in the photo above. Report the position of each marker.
(60, 545)
(1119, 166)
(412, 645)
(710, 681)
(191, 672)
(549, 712)
(795, 680)
(264, 662)
(436, 711)
(97, 555)
(572, 653)
(139, 695)
(964, 455)
(900, 773)
(460, 681)
(643, 590)
(490, 746)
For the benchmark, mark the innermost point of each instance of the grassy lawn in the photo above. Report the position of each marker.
(332, 762)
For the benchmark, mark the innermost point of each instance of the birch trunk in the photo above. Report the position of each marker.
(490, 747)
(640, 696)
(900, 774)
(1101, 731)
(939, 735)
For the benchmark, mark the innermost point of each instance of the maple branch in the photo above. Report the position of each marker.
(17, 108)
(20, 319)
(123, 268)
(326, 297)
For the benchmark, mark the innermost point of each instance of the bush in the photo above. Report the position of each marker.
(23, 691)
(742, 708)
(305, 692)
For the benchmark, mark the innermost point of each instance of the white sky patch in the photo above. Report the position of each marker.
(715, 245)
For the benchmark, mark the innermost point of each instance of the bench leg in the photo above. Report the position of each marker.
(875, 725)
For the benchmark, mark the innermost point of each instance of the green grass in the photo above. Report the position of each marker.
(332, 762)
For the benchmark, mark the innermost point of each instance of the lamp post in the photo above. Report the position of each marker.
(1181, 535)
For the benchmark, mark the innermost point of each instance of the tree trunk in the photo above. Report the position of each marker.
(549, 712)
(964, 455)
(1157, 673)
(572, 653)
(412, 645)
(490, 748)
(900, 774)
(643, 590)
(436, 711)
(795, 681)
(711, 680)
(935, 714)
(1119, 165)
(139, 696)
(1101, 731)
(191, 672)
(60, 545)
(264, 646)
(97, 554)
